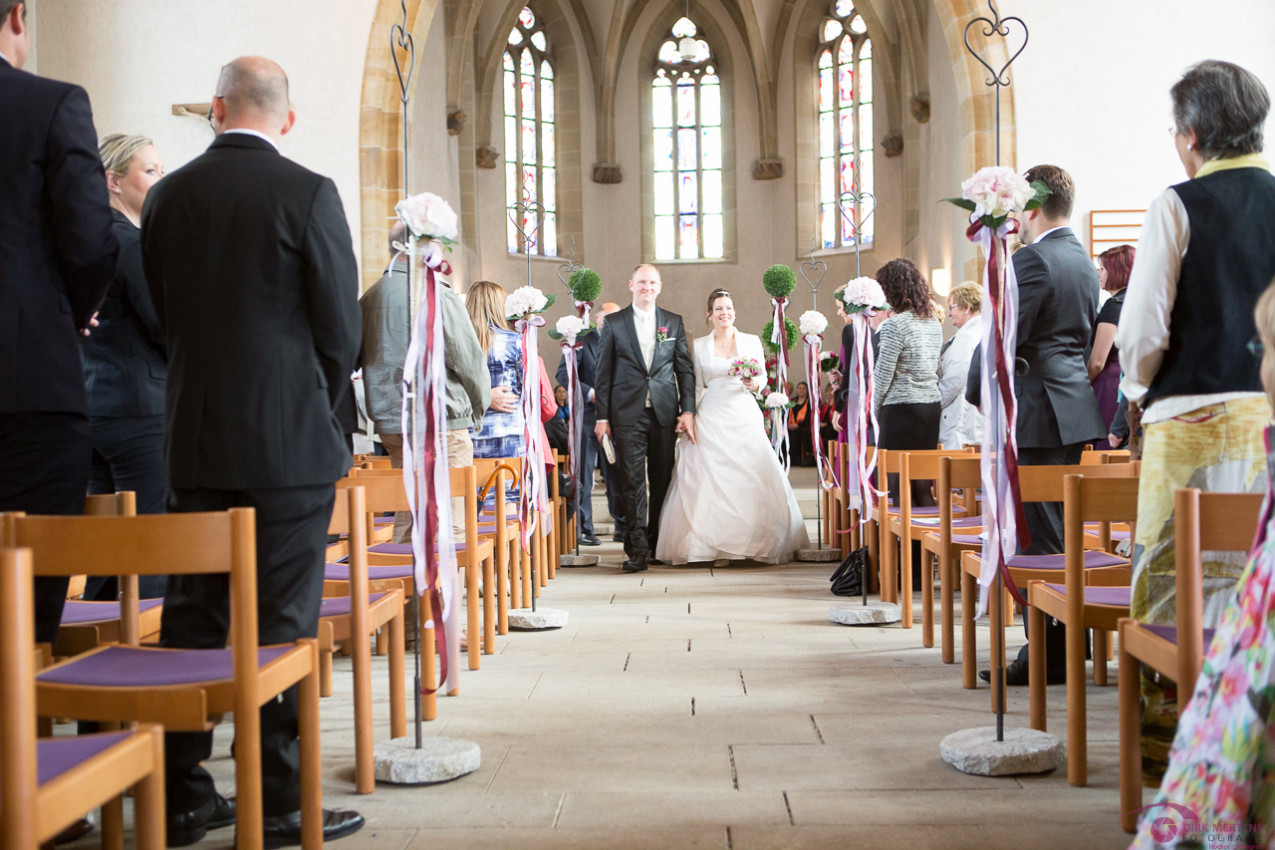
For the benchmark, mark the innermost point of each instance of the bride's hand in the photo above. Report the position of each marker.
(748, 384)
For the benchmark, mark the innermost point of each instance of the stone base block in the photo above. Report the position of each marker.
(524, 619)
(399, 762)
(858, 614)
(978, 752)
(819, 555)
(579, 561)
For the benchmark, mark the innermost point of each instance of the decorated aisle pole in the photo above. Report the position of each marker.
(780, 334)
(861, 299)
(585, 286)
(431, 226)
(523, 307)
(812, 326)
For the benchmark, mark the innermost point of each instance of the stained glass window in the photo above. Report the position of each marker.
(530, 155)
(845, 125)
(686, 113)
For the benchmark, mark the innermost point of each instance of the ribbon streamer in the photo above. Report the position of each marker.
(1004, 522)
(779, 418)
(425, 470)
(576, 394)
(860, 414)
(532, 496)
(823, 466)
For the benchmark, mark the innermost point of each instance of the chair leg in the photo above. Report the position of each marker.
(325, 673)
(947, 579)
(1077, 746)
(969, 604)
(148, 801)
(382, 646)
(113, 824)
(525, 574)
(489, 604)
(1101, 649)
(364, 771)
(905, 578)
(472, 624)
(927, 598)
(1036, 666)
(429, 659)
(889, 562)
(1127, 673)
(398, 690)
(311, 764)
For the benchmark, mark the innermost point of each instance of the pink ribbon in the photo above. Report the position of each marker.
(823, 466)
(1004, 522)
(532, 496)
(574, 419)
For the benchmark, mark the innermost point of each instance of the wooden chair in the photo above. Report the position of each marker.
(839, 530)
(47, 785)
(1037, 484)
(495, 475)
(1080, 604)
(185, 690)
(891, 463)
(354, 619)
(87, 624)
(947, 544)
(1213, 522)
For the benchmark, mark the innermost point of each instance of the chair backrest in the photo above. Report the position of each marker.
(1204, 522)
(1045, 483)
(17, 683)
(121, 503)
(1094, 496)
(464, 480)
(350, 517)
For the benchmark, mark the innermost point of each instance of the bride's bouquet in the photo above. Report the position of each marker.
(744, 368)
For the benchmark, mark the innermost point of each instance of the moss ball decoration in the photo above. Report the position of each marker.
(779, 281)
(586, 285)
(790, 328)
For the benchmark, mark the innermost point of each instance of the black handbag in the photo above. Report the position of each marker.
(848, 578)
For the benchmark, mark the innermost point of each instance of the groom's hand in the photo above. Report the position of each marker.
(686, 424)
(602, 429)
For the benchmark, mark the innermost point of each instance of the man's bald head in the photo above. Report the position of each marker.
(607, 308)
(253, 94)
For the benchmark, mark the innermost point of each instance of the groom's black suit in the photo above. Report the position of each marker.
(643, 435)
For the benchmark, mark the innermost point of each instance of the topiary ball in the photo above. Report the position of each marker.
(791, 331)
(779, 281)
(586, 285)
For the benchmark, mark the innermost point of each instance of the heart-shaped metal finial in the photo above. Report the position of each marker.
(814, 266)
(526, 212)
(570, 267)
(996, 26)
(401, 39)
(857, 200)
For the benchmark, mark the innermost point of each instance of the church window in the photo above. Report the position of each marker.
(686, 112)
(845, 124)
(530, 150)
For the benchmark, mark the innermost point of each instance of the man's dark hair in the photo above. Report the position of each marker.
(1062, 190)
(6, 6)
(1225, 105)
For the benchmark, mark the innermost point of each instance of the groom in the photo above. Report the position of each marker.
(644, 387)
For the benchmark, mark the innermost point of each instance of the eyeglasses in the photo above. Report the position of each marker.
(1256, 347)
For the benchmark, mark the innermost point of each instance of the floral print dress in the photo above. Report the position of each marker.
(1222, 766)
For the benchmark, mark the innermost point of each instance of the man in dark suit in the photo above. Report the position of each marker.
(1057, 409)
(57, 256)
(249, 261)
(586, 371)
(645, 385)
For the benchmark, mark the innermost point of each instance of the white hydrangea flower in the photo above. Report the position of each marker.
(428, 216)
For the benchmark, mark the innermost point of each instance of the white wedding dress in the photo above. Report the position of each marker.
(729, 498)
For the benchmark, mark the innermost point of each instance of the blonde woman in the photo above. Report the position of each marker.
(960, 423)
(501, 432)
(125, 361)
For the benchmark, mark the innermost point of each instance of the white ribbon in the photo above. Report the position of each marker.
(827, 475)
(859, 414)
(532, 496)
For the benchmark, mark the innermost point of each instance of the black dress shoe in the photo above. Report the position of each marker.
(285, 830)
(634, 565)
(590, 540)
(1016, 674)
(656, 562)
(189, 827)
(617, 537)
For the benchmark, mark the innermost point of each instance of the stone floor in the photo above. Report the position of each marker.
(701, 707)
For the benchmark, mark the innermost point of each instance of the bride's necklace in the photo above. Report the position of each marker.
(723, 347)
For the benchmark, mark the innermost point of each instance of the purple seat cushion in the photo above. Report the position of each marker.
(341, 572)
(933, 510)
(77, 612)
(967, 522)
(1093, 559)
(972, 539)
(128, 666)
(1170, 633)
(1117, 597)
(338, 606)
(55, 756)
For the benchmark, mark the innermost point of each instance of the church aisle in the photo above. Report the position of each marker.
(715, 708)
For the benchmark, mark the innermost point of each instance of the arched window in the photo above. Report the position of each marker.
(845, 121)
(686, 112)
(530, 164)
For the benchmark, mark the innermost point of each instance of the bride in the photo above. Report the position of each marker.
(730, 498)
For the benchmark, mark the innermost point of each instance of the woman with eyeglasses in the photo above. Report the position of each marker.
(1205, 255)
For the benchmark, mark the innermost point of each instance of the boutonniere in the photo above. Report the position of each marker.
(661, 334)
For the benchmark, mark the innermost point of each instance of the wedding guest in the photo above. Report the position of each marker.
(501, 431)
(1204, 258)
(801, 451)
(1114, 266)
(1221, 762)
(125, 361)
(827, 407)
(960, 423)
(59, 251)
(386, 332)
(905, 383)
(560, 396)
(610, 472)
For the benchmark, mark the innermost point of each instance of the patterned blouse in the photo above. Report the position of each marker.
(501, 434)
(907, 364)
